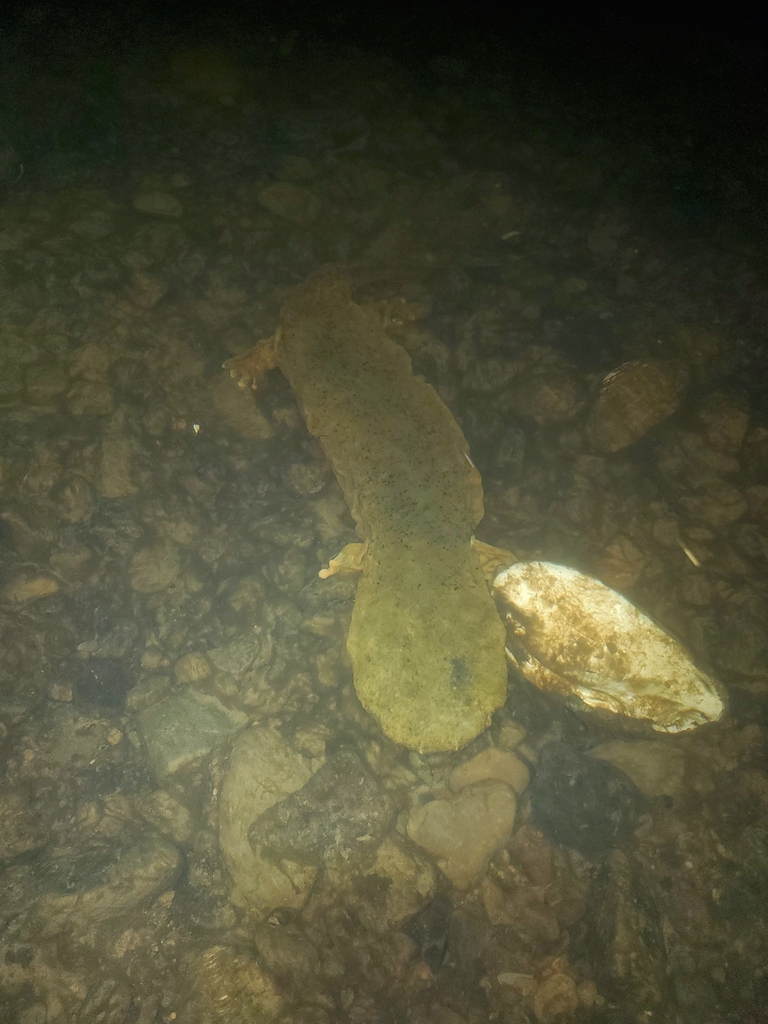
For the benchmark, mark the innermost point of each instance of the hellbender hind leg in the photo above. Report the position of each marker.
(249, 367)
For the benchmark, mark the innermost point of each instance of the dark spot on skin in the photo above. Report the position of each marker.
(459, 673)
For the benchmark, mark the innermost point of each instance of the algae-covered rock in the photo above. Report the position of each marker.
(185, 726)
(263, 770)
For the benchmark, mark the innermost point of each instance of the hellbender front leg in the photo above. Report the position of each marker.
(250, 367)
(351, 558)
(492, 559)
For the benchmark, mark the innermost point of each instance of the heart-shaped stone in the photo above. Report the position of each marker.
(463, 832)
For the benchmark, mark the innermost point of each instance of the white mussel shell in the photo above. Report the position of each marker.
(574, 635)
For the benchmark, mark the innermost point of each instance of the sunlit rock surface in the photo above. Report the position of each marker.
(571, 634)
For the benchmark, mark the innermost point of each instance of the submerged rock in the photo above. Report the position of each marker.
(632, 400)
(385, 893)
(655, 767)
(159, 204)
(291, 202)
(101, 681)
(263, 770)
(491, 764)
(21, 828)
(237, 408)
(74, 738)
(555, 998)
(570, 634)
(627, 944)
(579, 802)
(228, 984)
(24, 589)
(183, 727)
(94, 890)
(340, 812)
(157, 569)
(164, 812)
(464, 832)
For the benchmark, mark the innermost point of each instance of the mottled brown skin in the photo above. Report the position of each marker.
(426, 641)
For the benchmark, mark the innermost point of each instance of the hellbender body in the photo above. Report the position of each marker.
(426, 641)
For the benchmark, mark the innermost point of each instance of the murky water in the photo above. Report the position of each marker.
(198, 820)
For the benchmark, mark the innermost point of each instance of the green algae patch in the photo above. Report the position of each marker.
(426, 641)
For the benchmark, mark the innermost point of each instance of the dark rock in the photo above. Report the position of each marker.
(534, 709)
(468, 936)
(429, 930)
(623, 936)
(339, 814)
(103, 682)
(451, 941)
(77, 870)
(739, 900)
(741, 645)
(578, 802)
(84, 886)
(22, 955)
(509, 453)
(7, 540)
(288, 954)
(121, 775)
